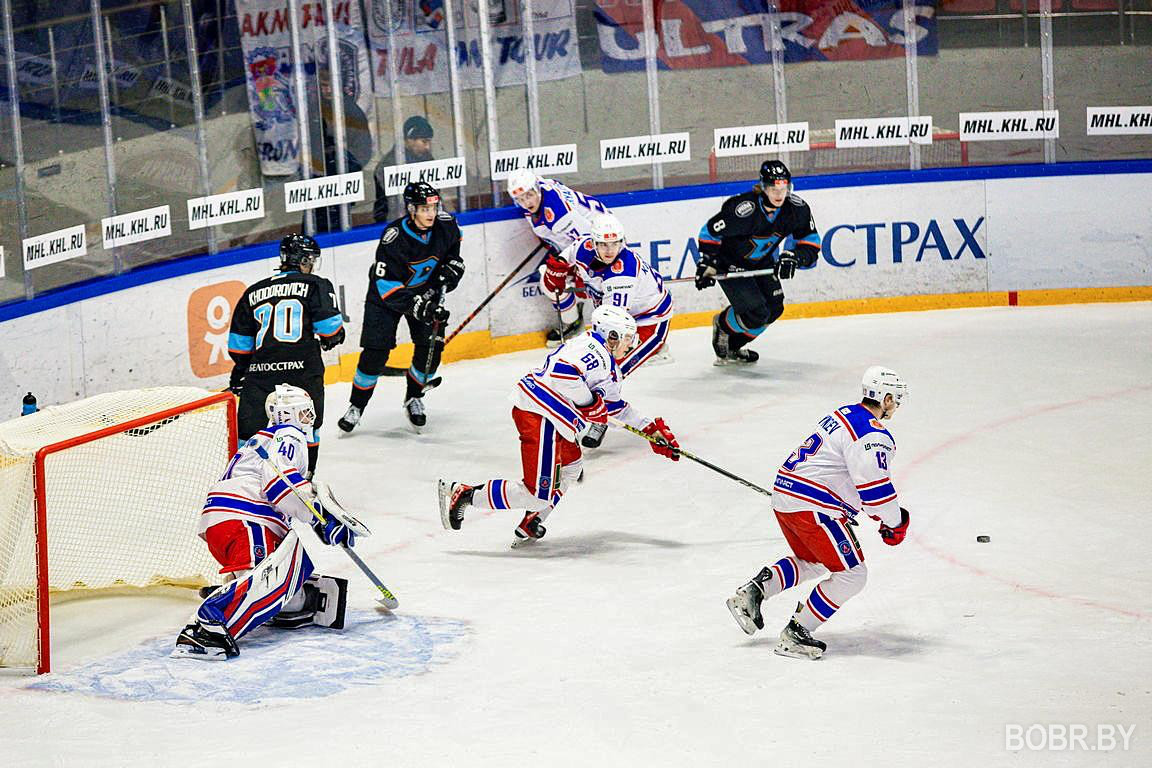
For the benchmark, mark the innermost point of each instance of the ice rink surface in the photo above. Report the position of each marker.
(608, 643)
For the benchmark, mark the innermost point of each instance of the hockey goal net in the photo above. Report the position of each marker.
(946, 150)
(104, 493)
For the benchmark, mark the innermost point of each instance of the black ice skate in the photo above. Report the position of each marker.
(745, 604)
(350, 419)
(797, 642)
(557, 336)
(414, 408)
(529, 530)
(738, 357)
(719, 338)
(454, 497)
(203, 640)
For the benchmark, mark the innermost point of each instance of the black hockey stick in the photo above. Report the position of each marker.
(725, 276)
(492, 295)
(693, 457)
(436, 335)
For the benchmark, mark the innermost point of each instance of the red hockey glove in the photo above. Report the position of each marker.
(668, 447)
(594, 412)
(555, 278)
(893, 536)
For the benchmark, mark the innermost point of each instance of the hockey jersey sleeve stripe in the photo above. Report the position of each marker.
(550, 402)
(615, 406)
(240, 343)
(877, 494)
(663, 307)
(387, 287)
(565, 370)
(329, 326)
(706, 237)
(812, 240)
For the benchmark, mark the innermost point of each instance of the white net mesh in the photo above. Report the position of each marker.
(121, 509)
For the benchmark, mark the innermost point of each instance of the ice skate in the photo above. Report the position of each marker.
(745, 604)
(454, 497)
(719, 339)
(414, 409)
(201, 640)
(737, 357)
(350, 419)
(797, 642)
(529, 530)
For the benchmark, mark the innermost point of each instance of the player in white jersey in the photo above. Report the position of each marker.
(839, 471)
(566, 400)
(559, 216)
(611, 274)
(247, 524)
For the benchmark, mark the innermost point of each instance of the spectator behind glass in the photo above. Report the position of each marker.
(357, 144)
(417, 149)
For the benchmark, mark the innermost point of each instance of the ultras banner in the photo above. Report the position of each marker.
(267, 50)
(421, 38)
(695, 34)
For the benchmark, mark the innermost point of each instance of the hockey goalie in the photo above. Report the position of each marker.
(247, 523)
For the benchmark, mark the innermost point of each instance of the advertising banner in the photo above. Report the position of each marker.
(696, 34)
(419, 32)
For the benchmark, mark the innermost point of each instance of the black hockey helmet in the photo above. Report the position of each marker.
(772, 171)
(298, 251)
(420, 193)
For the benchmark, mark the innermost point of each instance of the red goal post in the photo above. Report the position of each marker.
(104, 494)
(946, 150)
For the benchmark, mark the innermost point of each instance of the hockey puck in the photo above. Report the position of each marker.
(983, 539)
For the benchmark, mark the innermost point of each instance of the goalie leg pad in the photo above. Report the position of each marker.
(322, 603)
(245, 604)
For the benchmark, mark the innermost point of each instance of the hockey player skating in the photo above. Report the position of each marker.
(841, 469)
(743, 236)
(417, 262)
(247, 523)
(611, 274)
(566, 400)
(273, 338)
(559, 216)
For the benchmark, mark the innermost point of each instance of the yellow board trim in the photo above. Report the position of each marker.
(478, 344)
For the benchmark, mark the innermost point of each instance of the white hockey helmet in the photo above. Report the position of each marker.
(290, 405)
(879, 381)
(607, 237)
(521, 182)
(614, 324)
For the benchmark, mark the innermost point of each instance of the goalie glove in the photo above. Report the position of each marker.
(786, 265)
(331, 531)
(893, 535)
(555, 277)
(335, 340)
(667, 445)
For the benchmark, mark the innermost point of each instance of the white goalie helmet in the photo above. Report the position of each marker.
(290, 405)
(521, 182)
(612, 323)
(879, 381)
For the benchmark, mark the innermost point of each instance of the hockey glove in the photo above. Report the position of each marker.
(449, 274)
(335, 340)
(555, 278)
(424, 306)
(333, 532)
(705, 272)
(595, 412)
(667, 445)
(894, 535)
(786, 265)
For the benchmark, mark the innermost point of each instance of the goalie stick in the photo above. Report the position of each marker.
(387, 599)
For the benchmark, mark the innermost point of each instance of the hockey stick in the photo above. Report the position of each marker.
(387, 599)
(492, 295)
(726, 276)
(432, 339)
(693, 457)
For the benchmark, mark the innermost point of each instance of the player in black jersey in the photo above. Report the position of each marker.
(417, 262)
(273, 337)
(744, 236)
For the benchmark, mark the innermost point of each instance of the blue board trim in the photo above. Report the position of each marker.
(190, 265)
